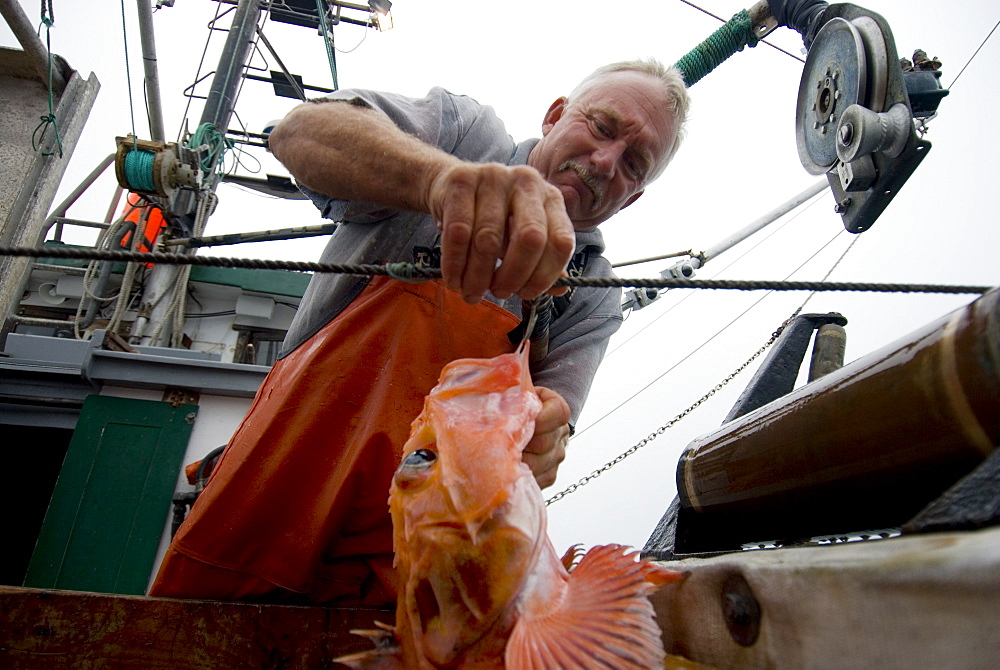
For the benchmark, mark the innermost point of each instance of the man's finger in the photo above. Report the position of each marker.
(560, 242)
(487, 234)
(455, 218)
(527, 232)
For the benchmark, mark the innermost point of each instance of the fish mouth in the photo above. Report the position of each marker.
(426, 601)
(450, 625)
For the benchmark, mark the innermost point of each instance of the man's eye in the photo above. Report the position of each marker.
(634, 167)
(600, 128)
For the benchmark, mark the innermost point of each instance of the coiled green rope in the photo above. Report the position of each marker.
(139, 169)
(209, 136)
(720, 45)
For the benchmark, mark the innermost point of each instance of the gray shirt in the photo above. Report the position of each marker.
(371, 233)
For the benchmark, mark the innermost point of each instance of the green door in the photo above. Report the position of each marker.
(108, 509)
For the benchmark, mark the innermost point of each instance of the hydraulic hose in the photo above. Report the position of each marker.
(803, 16)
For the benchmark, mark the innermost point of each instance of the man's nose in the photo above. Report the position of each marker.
(605, 158)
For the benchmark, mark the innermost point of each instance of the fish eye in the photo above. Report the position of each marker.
(415, 470)
(420, 458)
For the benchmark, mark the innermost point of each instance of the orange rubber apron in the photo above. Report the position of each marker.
(299, 501)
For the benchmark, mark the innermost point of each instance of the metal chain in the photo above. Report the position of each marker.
(662, 429)
(670, 424)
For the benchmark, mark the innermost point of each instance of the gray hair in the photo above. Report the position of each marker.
(673, 85)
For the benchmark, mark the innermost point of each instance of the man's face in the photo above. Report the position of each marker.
(601, 150)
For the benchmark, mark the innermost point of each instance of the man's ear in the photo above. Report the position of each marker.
(631, 200)
(555, 113)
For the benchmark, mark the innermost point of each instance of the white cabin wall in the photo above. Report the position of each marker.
(212, 334)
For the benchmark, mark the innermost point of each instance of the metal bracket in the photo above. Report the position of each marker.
(777, 374)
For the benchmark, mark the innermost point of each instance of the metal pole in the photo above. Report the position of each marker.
(687, 267)
(288, 75)
(222, 96)
(152, 75)
(218, 110)
(33, 47)
(766, 220)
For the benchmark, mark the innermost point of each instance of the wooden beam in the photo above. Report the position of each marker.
(46, 629)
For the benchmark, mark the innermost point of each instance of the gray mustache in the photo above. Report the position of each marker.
(587, 178)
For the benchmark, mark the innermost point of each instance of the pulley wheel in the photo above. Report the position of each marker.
(833, 79)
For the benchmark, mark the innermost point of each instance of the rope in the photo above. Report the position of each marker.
(48, 19)
(328, 42)
(720, 45)
(139, 170)
(417, 271)
(710, 339)
(172, 318)
(670, 424)
(208, 136)
(969, 62)
(403, 272)
(128, 73)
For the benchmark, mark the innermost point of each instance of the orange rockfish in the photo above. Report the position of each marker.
(480, 585)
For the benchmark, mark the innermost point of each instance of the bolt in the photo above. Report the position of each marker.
(842, 205)
(737, 609)
(740, 610)
(846, 134)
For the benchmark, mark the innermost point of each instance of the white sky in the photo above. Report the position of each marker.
(739, 161)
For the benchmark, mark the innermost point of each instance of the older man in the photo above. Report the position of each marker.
(296, 508)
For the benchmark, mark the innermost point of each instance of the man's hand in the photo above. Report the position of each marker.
(547, 448)
(489, 212)
(486, 211)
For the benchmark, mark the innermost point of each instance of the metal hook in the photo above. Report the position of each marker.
(530, 327)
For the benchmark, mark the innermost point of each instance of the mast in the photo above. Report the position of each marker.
(167, 281)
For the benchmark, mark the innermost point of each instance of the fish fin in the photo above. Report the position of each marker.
(385, 656)
(604, 621)
(572, 557)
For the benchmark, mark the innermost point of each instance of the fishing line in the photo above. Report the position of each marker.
(832, 268)
(128, 74)
(618, 459)
(717, 274)
(201, 63)
(703, 344)
(719, 18)
(973, 56)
